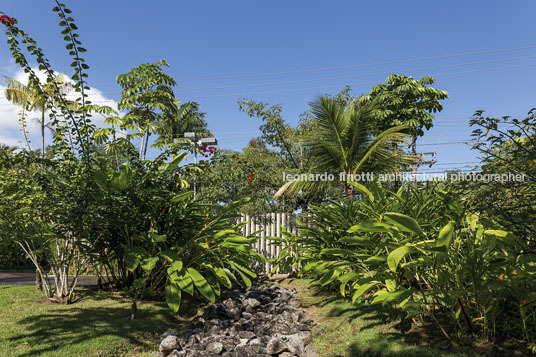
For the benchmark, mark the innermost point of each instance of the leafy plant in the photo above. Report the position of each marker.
(425, 254)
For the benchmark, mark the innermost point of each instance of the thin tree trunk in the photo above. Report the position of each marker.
(43, 133)
(146, 143)
(38, 283)
(415, 165)
(141, 146)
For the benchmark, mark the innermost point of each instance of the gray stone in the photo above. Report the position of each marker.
(168, 344)
(276, 345)
(319, 331)
(310, 351)
(169, 333)
(258, 322)
(294, 303)
(176, 353)
(214, 347)
(305, 336)
(295, 344)
(286, 354)
(251, 302)
(247, 335)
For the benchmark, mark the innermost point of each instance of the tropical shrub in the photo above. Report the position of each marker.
(425, 254)
(163, 242)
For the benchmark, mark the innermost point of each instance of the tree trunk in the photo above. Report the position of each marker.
(43, 133)
(38, 282)
(133, 311)
(415, 165)
(146, 143)
(141, 146)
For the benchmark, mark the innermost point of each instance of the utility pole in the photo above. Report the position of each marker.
(421, 162)
(197, 143)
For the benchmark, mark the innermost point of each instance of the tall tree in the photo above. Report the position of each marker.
(406, 101)
(189, 118)
(345, 141)
(149, 99)
(30, 98)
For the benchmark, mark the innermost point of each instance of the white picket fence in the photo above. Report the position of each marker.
(268, 225)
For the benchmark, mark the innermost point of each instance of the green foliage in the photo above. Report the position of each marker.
(345, 141)
(406, 101)
(507, 147)
(149, 99)
(164, 243)
(422, 252)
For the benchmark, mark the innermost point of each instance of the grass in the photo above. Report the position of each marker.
(357, 330)
(97, 324)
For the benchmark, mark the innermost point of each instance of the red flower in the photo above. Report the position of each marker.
(6, 20)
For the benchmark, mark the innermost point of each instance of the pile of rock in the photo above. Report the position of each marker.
(260, 321)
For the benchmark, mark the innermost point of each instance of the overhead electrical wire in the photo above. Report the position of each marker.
(352, 84)
(355, 75)
(357, 65)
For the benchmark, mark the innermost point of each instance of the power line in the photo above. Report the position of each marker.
(446, 143)
(355, 75)
(457, 163)
(356, 66)
(353, 84)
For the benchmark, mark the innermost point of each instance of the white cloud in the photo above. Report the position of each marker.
(10, 128)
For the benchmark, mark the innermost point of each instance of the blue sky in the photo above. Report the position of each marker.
(214, 39)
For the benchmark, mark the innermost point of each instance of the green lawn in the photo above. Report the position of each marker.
(97, 324)
(356, 330)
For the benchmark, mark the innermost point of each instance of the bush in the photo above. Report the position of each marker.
(424, 253)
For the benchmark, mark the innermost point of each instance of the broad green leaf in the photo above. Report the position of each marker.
(363, 289)
(362, 241)
(243, 270)
(176, 265)
(390, 284)
(344, 279)
(157, 238)
(133, 255)
(386, 296)
(222, 277)
(497, 233)
(224, 232)
(148, 264)
(172, 166)
(173, 296)
(120, 181)
(202, 285)
(445, 235)
(182, 197)
(329, 277)
(244, 277)
(240, 240)
(396, 255)
(170, 255)
(309, 266)
(404, 222)
(184, 281)
(363, 189)
(371, 226)
(336, 251)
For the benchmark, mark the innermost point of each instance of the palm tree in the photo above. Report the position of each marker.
(344, 141)
(29, 98)
(188, 118)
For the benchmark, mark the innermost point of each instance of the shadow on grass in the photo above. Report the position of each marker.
(79, 323)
